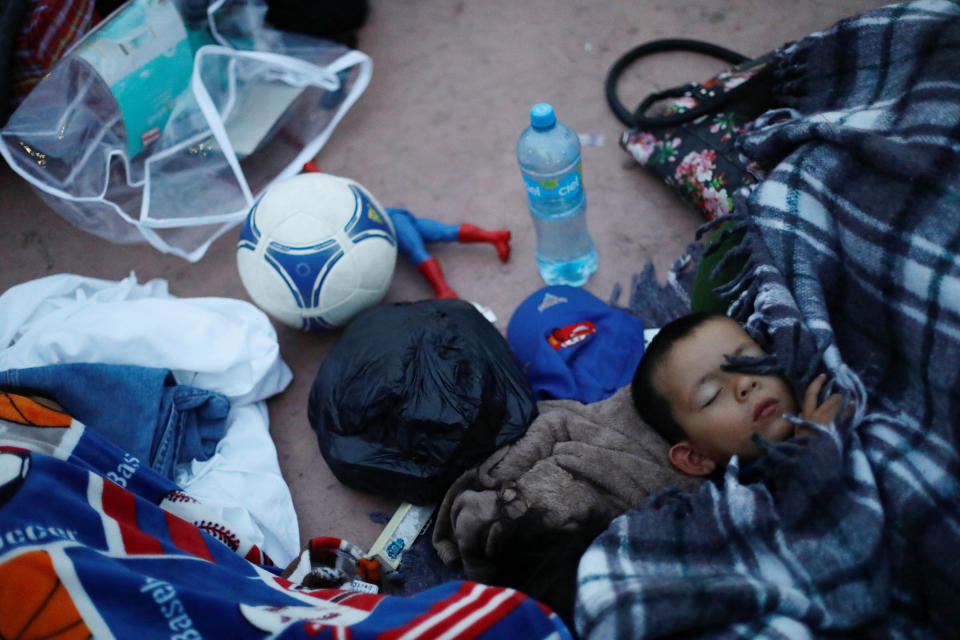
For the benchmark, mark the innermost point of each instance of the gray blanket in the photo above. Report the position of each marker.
(577, 465)
(853, 243)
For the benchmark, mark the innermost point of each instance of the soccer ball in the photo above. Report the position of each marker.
(315, 250)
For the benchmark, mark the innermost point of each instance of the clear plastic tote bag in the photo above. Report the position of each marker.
(165, 122)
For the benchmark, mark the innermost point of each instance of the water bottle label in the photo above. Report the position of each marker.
(567, 187)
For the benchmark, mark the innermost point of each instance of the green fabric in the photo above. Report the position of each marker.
(702, 296)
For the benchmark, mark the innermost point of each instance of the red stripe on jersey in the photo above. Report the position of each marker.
(483, 612)
(256, 556)
(313, 628)
(121, 505)
(452, 606)
(353, 599)
(362, 601)
(485, 618)
(187, 537)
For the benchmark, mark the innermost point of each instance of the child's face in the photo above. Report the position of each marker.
(720, 410)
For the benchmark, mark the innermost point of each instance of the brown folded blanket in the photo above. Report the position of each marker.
(577, 467)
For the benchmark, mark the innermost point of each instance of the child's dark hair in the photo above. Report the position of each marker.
(652, 406)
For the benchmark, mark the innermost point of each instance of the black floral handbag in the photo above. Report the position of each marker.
(691, 142)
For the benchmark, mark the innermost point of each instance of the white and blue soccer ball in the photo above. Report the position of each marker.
(315, 250)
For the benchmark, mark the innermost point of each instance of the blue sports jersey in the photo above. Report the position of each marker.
(94, 543)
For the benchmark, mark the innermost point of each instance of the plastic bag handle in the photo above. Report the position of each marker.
(311, 74)
(322, 76)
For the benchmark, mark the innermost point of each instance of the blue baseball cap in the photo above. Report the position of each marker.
(573, 345)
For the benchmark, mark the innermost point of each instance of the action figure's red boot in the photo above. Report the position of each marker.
(430, 269)
(500, 238)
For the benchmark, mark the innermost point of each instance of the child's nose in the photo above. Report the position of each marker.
(745, 384)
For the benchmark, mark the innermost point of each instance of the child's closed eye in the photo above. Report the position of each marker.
(710, 395)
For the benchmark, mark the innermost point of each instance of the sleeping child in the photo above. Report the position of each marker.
(683, 389)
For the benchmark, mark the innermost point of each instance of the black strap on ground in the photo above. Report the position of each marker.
(637, 118)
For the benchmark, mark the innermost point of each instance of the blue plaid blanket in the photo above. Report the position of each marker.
(853, 242)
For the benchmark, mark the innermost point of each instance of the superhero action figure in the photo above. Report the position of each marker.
(414, 232)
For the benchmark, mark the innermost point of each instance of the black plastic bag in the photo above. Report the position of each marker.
(413, 394)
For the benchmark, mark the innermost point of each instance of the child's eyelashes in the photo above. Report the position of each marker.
(713, 395)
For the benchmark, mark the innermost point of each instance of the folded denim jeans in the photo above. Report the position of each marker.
(142, 410)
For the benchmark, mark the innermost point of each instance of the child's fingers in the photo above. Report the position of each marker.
(847, 409)
(810, 396)
(828, 410)
(822, 415)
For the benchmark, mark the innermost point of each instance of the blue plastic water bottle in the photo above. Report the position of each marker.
(549, 155)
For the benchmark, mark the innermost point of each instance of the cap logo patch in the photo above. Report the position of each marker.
(571, 334)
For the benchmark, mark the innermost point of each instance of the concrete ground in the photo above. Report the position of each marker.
(435, 133)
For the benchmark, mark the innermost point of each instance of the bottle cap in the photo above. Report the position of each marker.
(542, 116)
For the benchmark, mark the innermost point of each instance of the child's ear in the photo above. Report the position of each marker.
(687, 459)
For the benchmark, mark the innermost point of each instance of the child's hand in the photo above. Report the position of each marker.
(822, 414)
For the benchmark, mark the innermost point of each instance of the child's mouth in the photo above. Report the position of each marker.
(765, 409)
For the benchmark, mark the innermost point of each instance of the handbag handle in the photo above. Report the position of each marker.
(637, 118)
